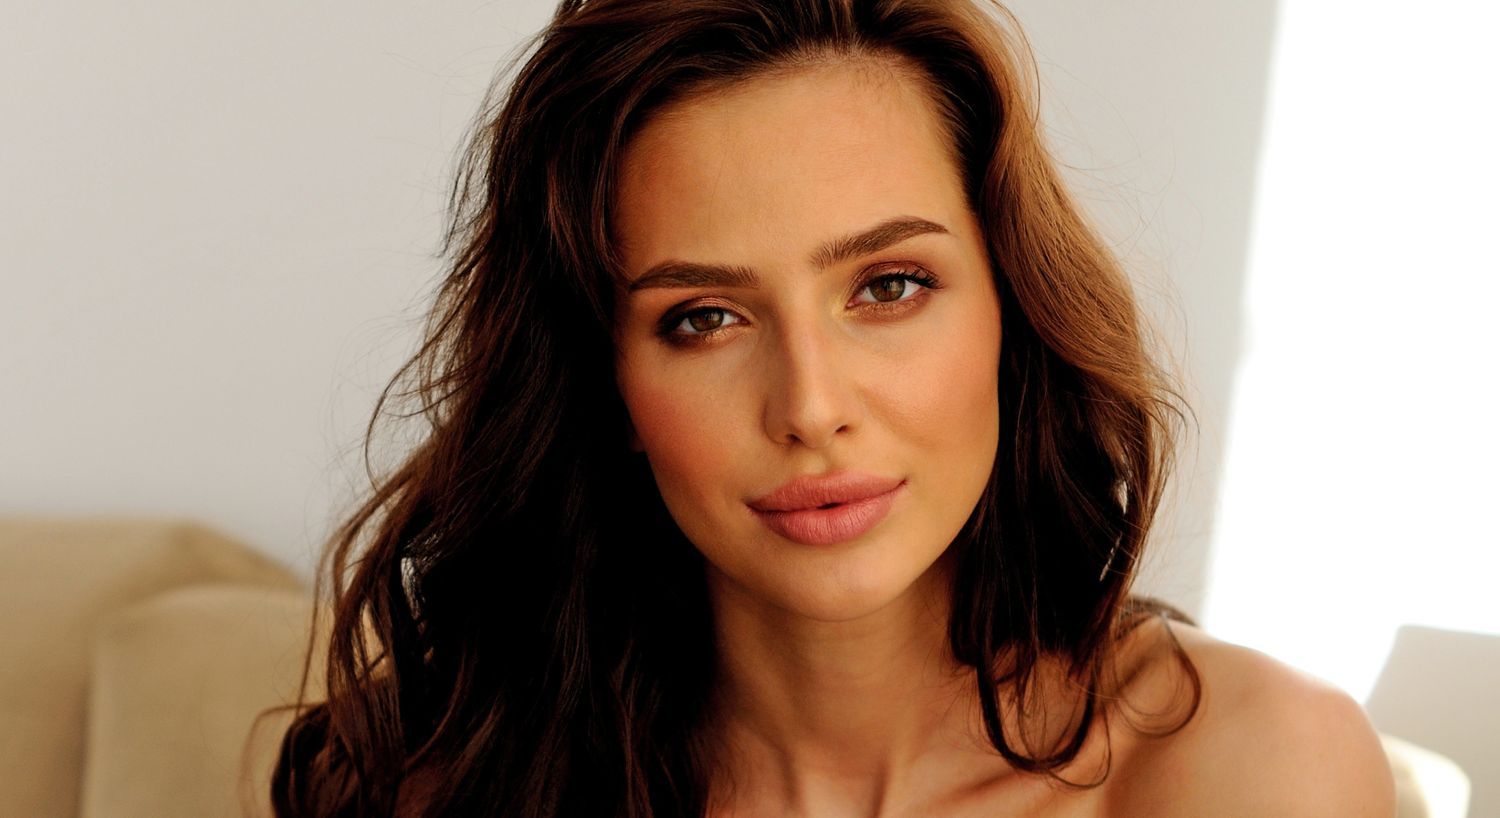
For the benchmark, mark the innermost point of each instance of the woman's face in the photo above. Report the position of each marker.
(810, 296)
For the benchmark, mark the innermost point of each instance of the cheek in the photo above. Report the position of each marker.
(954, 422)
(947, 393)
(689, 434)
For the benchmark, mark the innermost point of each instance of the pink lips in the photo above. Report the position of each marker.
(827, 509)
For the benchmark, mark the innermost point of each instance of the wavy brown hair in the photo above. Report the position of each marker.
(518, 626)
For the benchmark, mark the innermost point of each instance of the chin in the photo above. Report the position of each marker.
(842, 585)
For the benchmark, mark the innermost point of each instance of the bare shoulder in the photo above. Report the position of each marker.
(1266, 740)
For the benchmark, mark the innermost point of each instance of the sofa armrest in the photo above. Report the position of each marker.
(1428, 785)
(62, 576)
(178, 687)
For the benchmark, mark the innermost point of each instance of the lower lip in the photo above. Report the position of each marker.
(826, 526)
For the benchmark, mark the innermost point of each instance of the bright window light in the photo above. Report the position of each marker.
(1362, 473)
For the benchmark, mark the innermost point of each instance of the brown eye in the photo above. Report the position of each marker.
(705, 320)
(694, 325)
(890, 288)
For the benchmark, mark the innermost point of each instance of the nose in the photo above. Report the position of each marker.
(810, 395)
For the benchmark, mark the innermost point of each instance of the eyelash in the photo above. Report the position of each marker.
(667, 328)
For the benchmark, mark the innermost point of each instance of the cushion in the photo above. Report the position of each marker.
(61, 576)
(1438, 690)
(1428, 784)
(180, 686)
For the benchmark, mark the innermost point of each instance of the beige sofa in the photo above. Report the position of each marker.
(137, 654)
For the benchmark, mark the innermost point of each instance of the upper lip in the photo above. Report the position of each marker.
(812, 491)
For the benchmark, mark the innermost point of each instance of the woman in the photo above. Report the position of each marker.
(793, 447)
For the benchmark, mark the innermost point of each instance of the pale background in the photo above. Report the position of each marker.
(218, 225)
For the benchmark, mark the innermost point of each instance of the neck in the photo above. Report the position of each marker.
(859, 716)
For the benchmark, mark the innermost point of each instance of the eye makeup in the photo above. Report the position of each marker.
(680, 326)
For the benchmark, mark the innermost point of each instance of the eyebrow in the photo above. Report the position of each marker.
(692, 274)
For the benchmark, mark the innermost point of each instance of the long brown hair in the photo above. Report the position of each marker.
(518, 626)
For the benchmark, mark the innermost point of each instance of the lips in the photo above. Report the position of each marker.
(820, 510)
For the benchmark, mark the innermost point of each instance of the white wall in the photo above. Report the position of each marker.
(1156, 106)
(1361, 480)
(1358, 504)
(218, 221)
(217, 225)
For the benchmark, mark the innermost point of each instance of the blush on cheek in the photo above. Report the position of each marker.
(682, 437)
(950, 384)
(692, 456)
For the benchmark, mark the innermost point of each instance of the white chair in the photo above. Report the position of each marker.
(1440, 691)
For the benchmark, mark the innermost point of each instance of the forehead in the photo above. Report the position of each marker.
(766, 169)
